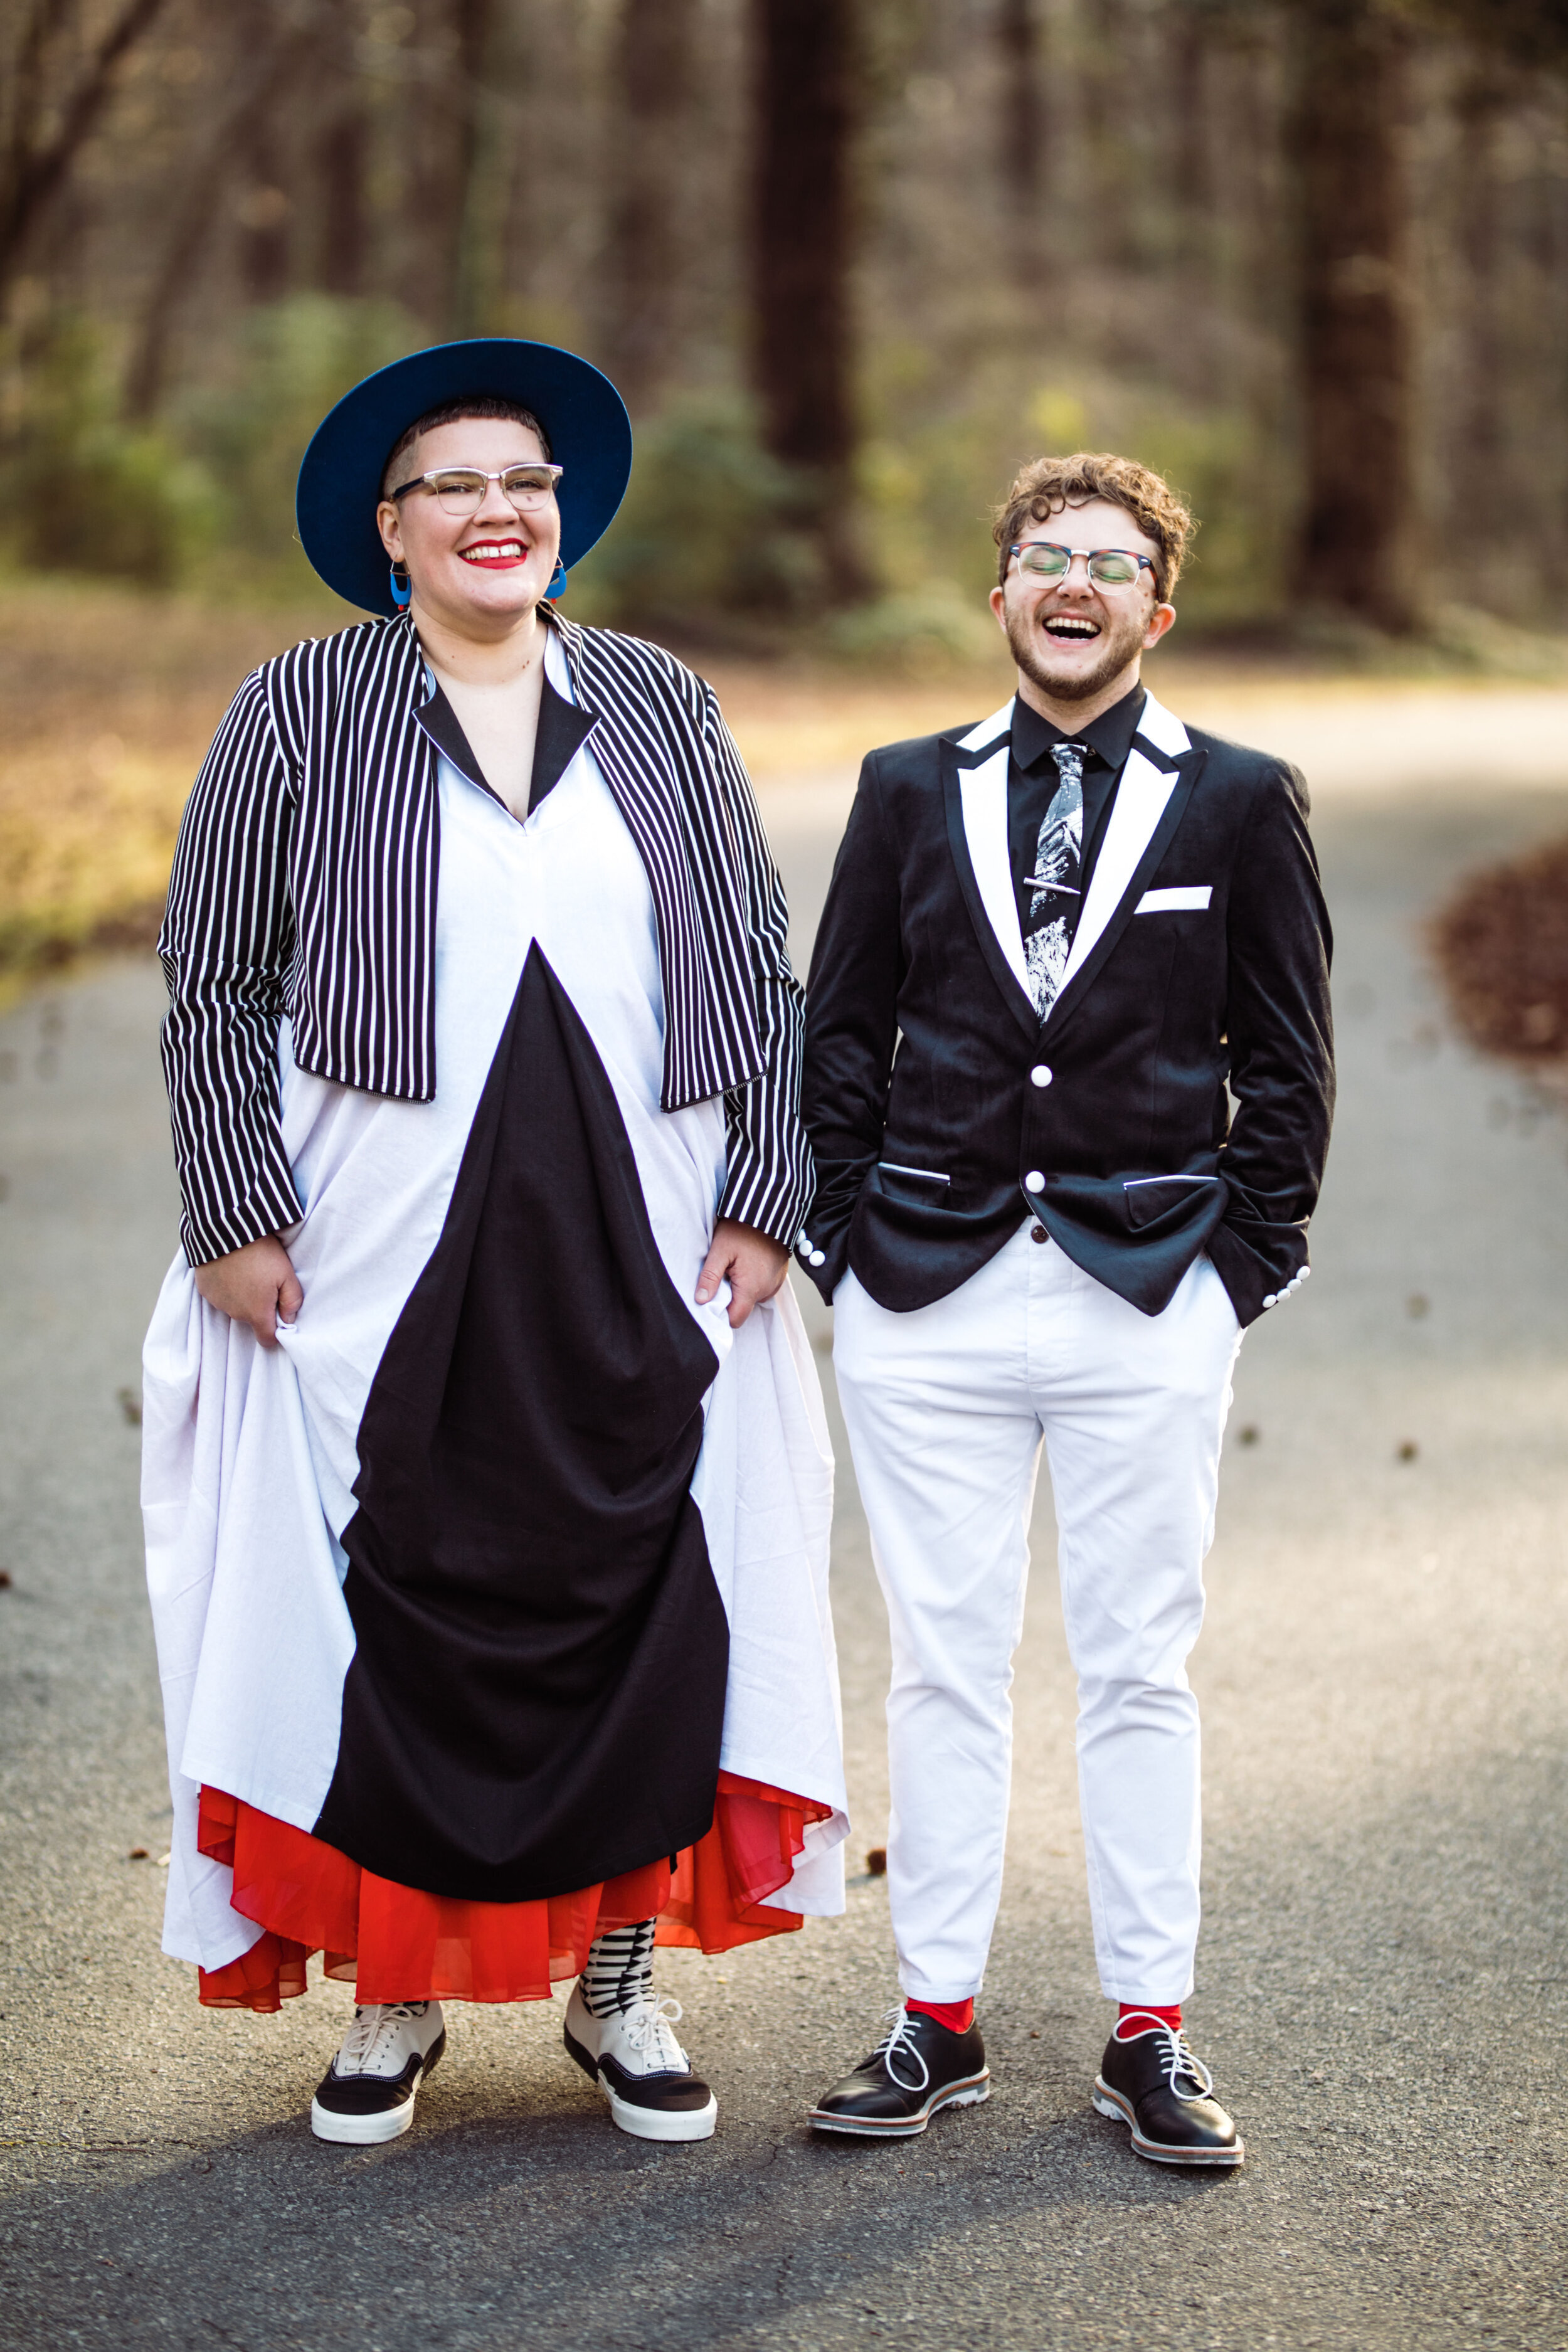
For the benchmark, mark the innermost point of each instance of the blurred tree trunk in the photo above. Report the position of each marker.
(1023, 135)
(1194, 190)
(259, 74)
(194, 219)
(446, 139)
(342, 229)
(265, 240)
(1357, 551)
(803, 116)
(1480, 434)
(266, 246)
(269, 55)
(473, 257)
(44, 130)
(654, 70)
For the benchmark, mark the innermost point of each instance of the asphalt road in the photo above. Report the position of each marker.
(1382, 1982)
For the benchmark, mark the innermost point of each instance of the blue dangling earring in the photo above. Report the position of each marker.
(402, 588)
(557, 582)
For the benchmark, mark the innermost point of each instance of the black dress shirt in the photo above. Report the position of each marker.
(1033, 778)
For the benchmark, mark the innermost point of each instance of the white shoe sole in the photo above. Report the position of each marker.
(369, 2131)
(644, 2122)
(362, 2131)
(1110, 2102)
(660, 2123)
(970, 2093)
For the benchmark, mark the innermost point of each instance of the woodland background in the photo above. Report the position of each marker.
(850, 260)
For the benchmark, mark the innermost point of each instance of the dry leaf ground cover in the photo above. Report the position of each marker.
(1501, 944)
(107, 702)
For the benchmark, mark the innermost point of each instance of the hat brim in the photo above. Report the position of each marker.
(340, 477)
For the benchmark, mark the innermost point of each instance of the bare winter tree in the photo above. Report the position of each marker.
(803, 115)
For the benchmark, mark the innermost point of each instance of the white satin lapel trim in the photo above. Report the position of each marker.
(1141, 798)
(999, 723)
(1162, 728)
(984, 796)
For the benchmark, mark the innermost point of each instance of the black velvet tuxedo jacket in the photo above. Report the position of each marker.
(942, 1111)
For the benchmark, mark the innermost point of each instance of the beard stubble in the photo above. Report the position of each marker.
(1119, 644)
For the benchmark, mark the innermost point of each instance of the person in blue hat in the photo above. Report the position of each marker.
(486, 1479)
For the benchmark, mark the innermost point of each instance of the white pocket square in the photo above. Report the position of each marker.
(1188, 898)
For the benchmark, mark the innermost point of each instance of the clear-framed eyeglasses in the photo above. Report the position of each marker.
(1108, 567)
(462, 489)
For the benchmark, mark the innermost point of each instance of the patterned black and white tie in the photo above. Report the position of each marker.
(1057, 879)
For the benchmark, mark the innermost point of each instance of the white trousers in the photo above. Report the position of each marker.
(945, 1408)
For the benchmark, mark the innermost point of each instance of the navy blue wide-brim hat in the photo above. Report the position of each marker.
(583, 416)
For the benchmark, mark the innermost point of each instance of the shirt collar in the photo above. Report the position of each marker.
(1109, 736)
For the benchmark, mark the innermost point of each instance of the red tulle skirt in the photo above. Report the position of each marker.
(394, 1943)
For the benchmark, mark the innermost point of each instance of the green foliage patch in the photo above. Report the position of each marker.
(85, 492)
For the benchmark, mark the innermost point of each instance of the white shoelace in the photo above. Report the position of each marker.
(1177, 2057)
(897, 2038)
(648, 2027)
(370, 2035)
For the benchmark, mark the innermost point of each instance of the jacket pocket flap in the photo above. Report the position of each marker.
(1149, 1197)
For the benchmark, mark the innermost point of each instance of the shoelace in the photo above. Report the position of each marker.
(648, 2026)
(371, 2032)
(899, 2038)
(1178, 2058)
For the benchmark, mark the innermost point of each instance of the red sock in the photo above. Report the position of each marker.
(1142, 2011)
(958, 2016)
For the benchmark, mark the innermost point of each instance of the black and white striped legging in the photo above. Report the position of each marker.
(620, 1969)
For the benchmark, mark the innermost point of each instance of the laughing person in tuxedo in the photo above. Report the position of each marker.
(1077, 923)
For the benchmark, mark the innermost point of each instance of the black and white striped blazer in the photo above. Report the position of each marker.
(305, 880)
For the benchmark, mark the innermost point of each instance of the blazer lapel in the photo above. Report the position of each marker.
(1156, 785)
(975, 789)
(641, 776)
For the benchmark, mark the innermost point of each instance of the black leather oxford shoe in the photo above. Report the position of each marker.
(916, 2067)
(1154, 2082)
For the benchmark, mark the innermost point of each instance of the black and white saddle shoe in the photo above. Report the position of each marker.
(918, 2066)
(641, 2068)
(1153, 2082)
(367, 2093)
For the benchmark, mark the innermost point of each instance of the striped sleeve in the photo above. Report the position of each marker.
(770, 1180)
(225, 946)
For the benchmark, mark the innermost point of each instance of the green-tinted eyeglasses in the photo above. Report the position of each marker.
(1109, 567)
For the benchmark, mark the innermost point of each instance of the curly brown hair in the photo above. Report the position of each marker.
(1047, 484)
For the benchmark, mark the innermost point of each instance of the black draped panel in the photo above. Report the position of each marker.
(537, 1696)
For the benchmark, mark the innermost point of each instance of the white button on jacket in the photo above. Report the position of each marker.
(1035, 1180)
(1040, 1076)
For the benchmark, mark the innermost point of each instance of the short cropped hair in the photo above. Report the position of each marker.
(1047, 484)
(485, 405)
